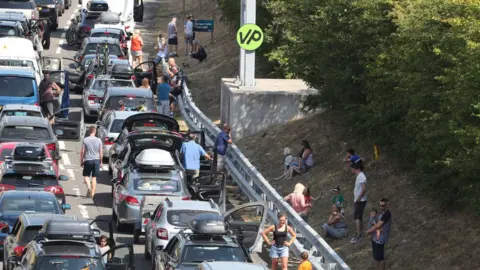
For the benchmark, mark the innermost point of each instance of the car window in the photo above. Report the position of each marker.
(21, 179)
(24, 132)
(182, 218)
(16, 5)
(28, 234)
(198, 254)
(106, 34)
(29, 205)
(6, 30)
(13, 86)
(156, 185)
(128, 102)
(91, 48)
(100, 84)
(116, 126)
(22, 113)
(70, 262)
(45, 1)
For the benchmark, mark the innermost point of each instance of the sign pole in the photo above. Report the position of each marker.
(248, 58)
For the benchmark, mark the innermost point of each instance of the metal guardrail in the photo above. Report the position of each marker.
(257, 188)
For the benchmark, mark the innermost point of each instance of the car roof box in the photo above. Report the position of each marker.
(155, 158)
(67, 229)
(208, 223)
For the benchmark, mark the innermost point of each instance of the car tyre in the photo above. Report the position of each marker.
(146, 254)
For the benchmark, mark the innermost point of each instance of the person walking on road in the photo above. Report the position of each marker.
(192, 152)
(136, 48)
(172, 37)
(384, 224)
(91, 158)
(360, 198)
(163, 96)
(280, 243)
(189, 35)
(221, 144)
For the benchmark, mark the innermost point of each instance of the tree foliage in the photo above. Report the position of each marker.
(406, 72)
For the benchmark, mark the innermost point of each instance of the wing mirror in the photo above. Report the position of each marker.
(146, 215)
(5, 229)
(66, 206)
(96, 232)
(63, 178)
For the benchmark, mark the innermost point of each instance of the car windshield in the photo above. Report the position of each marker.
(106, 34)
(6, 30)
(25, 133)
(114, 49)
(182, 218)
(32, 205)
(16, 5)
(13, 86)
(127, 103)
(98, 7)
(100, 84)
(69, 262)
(116, 126)
(45, 1)
(23, 180)
(198, 254)
(157, 185)
(29, 233)
(22, 113)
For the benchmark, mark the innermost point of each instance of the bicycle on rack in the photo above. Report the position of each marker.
(102, 64)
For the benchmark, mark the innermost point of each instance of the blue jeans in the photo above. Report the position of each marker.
(278, 252)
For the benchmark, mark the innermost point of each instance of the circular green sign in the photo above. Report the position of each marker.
(250, 37)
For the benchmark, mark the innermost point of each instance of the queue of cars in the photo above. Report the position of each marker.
(185, 222)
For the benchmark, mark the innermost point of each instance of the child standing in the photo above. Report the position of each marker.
(338, 199)
(305, 264)
(372, 220)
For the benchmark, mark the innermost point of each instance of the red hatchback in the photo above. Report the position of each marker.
(6, 150)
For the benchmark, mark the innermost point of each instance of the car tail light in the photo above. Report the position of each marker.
(146, 221)
(1, 242)
(57, 190)
(36, 104)
(128, 26)
(107, 141)
(86, 29)
(187, 198)
(4, 187)
(162, 234)
(133, 78)
(121, 57)
(3, 225)
(131, 200)
(18, 251)
(91, 76)
(51, 147)
(153, 110)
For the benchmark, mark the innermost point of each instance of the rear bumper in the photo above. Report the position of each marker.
(129, 214)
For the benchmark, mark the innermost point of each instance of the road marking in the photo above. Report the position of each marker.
(61, 42)
(61, 144)
(76, 191)
(104, 167)
(69, 22)
(83, 211)
(61, 167)
(66, 159)
(73, 15)
(74, 12)
(71, 175)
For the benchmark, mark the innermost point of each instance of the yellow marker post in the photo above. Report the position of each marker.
(375, 151)
(250, 37)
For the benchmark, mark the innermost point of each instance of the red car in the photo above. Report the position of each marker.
(7, 148)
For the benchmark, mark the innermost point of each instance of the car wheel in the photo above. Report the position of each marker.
(146, 254)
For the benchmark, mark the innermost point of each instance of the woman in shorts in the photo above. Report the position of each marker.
(280, 244)
(136, 47)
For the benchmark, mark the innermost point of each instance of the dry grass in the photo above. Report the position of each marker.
(423, 237)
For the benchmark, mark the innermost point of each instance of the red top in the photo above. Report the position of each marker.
(136, 44)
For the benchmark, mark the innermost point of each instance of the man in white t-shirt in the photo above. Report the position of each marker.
(360, 198)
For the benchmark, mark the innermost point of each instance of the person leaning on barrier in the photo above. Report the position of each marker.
(224, 138)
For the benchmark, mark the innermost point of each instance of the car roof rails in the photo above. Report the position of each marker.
(169, 202)
(78, 230)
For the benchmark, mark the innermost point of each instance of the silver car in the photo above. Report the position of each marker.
(144, 189)
(21, 110)
(109, 127)
(95, 90)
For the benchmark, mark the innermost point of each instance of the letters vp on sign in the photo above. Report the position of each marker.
(250, 37)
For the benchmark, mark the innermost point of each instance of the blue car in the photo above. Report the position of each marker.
(14, 203)
(18, 86)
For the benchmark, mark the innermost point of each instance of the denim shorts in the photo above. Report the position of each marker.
(278, 252)
(91, 168)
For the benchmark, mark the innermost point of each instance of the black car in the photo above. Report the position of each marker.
(212, 237)
(11, 29)
(49, 9)
(71, 244)
(90, 44)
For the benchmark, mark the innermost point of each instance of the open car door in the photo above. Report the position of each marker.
(69, 124)
(106, 226)
(138, 10)
(246, 222)
(50, 63)
(120, 258)
(147, 70)
(209, 186)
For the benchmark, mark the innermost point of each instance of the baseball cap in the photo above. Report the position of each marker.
(337, 189)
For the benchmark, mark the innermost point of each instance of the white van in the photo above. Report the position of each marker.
(125, 7)
(27, 7)
(19, 52)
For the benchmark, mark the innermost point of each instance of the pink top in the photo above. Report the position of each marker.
(297, 201)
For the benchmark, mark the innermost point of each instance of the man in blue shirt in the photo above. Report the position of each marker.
(221, 145)
(163, 96)
(192, 152)
(351, 157)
